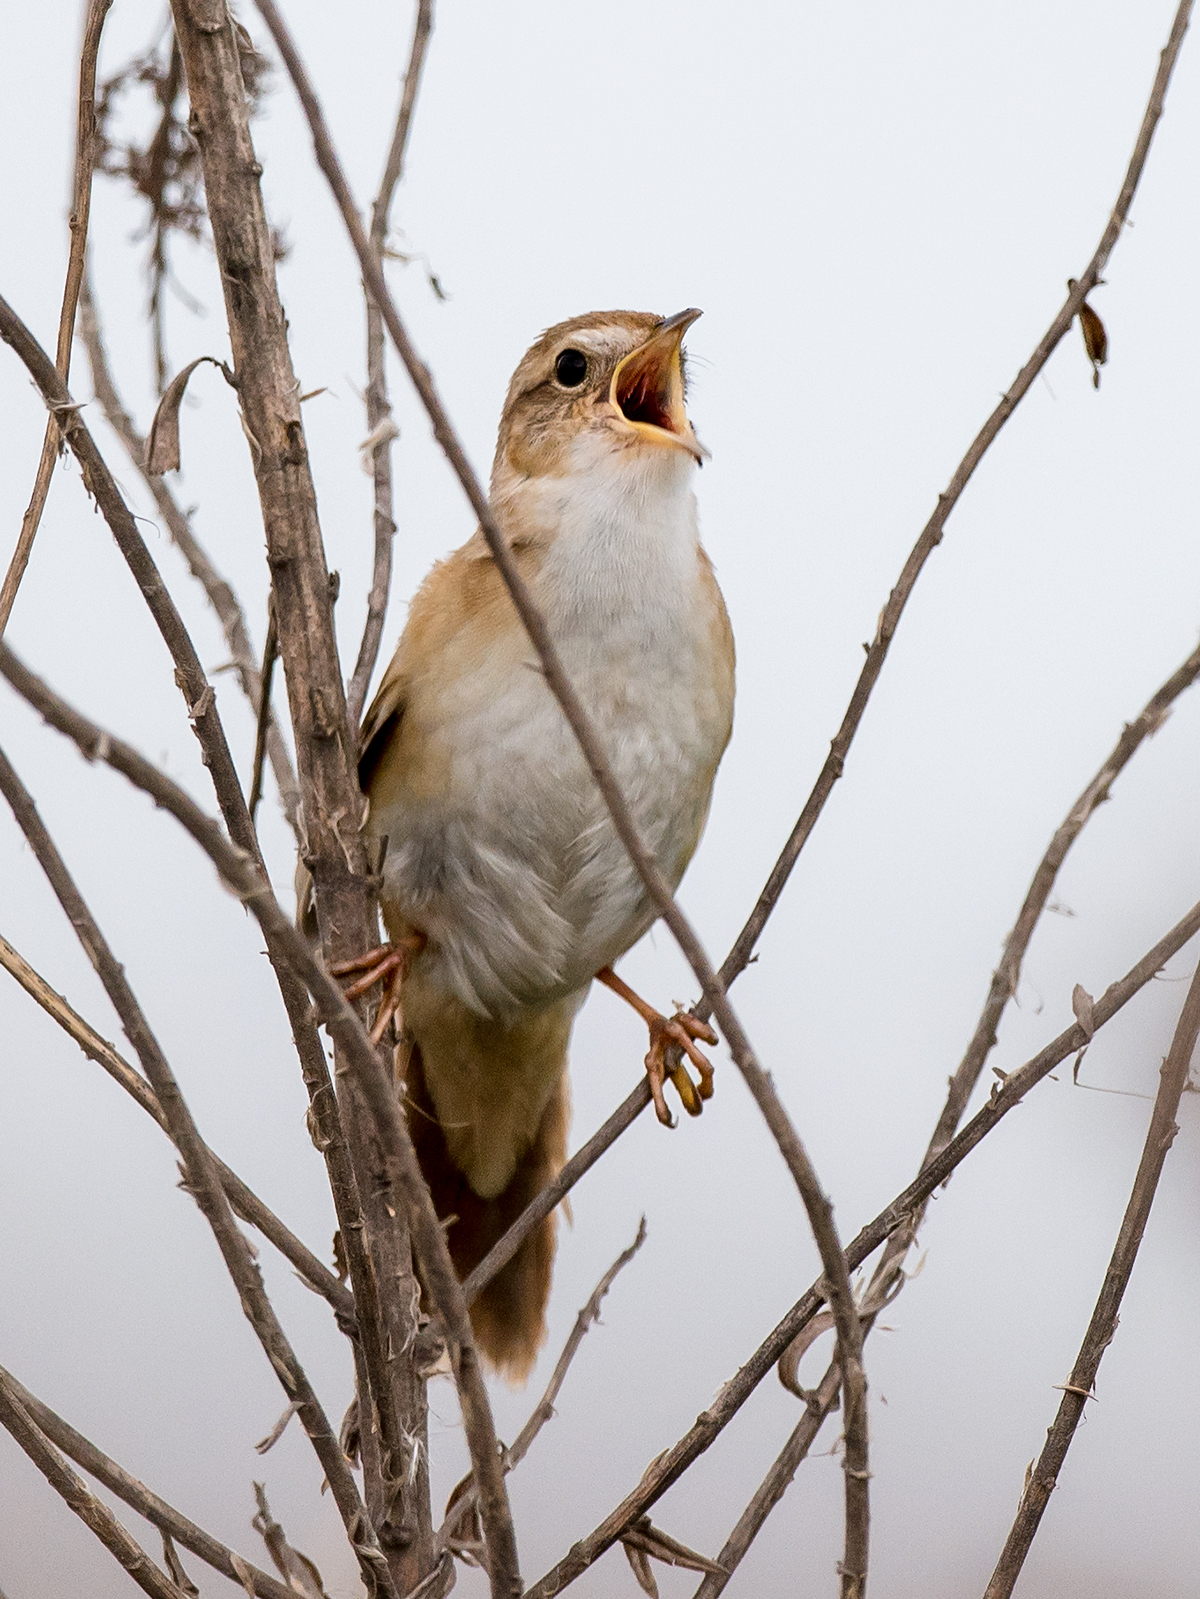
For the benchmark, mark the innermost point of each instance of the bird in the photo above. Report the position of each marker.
(503, 886)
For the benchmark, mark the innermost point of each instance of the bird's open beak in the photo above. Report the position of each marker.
(647, 387)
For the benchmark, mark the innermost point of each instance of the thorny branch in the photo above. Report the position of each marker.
(85, 161)
(816, 1203)
(243, 1199)
(1079, 1387)
(135, 1494)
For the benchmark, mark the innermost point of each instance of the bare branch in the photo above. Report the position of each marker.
(1078, 1389)
(673, 1462)
(816, 1204)
(135, 1494)
(85, 164)
(219, 592)
(380, 428)
(931, 533)
(203, 1182)
(243, 1199)
(95, 1515)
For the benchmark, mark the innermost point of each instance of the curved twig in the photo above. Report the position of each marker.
(85, 165)
(379, 410)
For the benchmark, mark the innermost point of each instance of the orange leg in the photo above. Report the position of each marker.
(680, 1030)
(387, 961)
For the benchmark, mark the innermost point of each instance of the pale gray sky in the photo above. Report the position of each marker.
(877, 207)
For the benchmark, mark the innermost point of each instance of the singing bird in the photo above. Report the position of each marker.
(505, 889)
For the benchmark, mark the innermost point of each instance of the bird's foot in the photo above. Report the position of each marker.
(387, 962)
(679, 1032)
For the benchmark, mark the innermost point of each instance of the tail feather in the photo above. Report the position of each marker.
(509, 1314)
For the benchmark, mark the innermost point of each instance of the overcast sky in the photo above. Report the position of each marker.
(877, 207)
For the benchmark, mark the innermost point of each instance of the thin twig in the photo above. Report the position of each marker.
(554, 1193)
(673, 1462)
(774, 1485)
(1079, 1387)
(543, 1411)
(85, 164)
(1007, 975)
(816, 1203)
(217, 589)
(203, 1182)
(135, 1494)
(931, 534)
(379, 410)
(95, 1515)
(243, 1199)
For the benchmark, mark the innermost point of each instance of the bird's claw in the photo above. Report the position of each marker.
(385, 961)
(680, 1032)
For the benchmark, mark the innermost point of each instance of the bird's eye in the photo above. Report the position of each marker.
(571, 368)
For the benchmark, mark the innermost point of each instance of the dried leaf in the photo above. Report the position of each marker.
(340, 1264)
(277, 1431)
(297, 1570)
(1082, 1004)
(1095, 338)
(644, 1537)
(162, 447)
(175, 1566)
(349, 1434)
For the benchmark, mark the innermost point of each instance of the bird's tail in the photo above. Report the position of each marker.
(509, 1314)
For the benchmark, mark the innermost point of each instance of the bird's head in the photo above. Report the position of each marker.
(608, 385)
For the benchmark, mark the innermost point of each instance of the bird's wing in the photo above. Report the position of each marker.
(381, 722)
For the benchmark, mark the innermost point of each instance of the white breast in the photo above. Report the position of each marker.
(518, 878)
